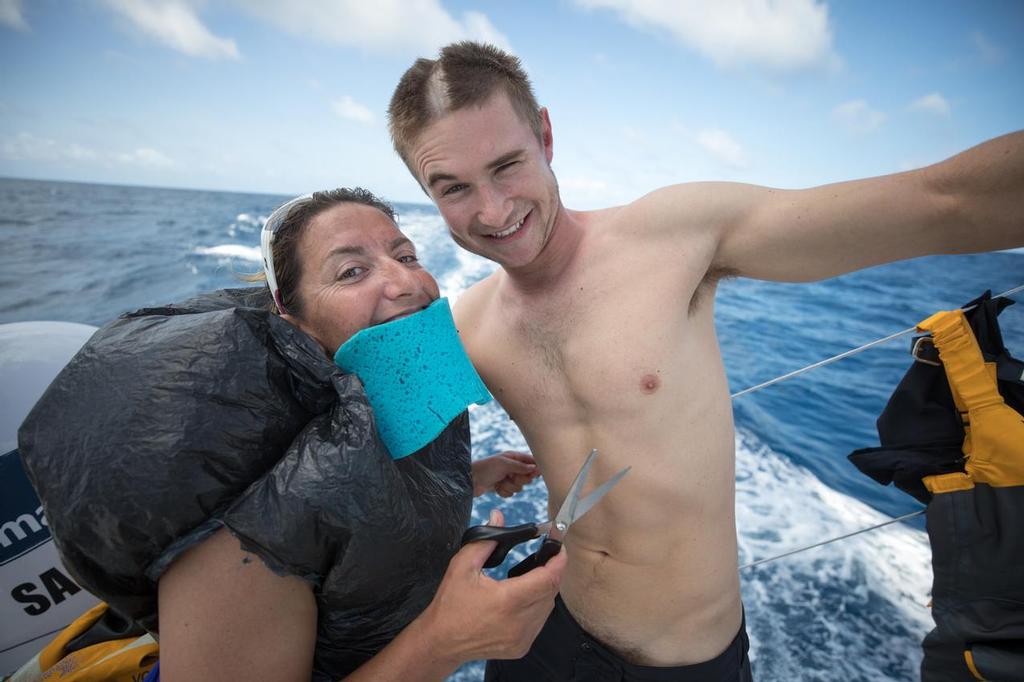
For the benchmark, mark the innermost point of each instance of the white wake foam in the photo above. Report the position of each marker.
(855, 609)
(245, 222)
(456, 268)
(231, 251)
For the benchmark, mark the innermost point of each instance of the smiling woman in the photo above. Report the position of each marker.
(199, 437)
(341, 250)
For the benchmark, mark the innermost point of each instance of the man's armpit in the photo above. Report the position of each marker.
(705, 291)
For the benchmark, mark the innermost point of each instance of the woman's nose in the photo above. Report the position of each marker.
(400, 280)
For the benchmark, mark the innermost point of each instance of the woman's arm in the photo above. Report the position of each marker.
(225, 615)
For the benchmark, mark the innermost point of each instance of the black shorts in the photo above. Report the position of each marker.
(564, 652)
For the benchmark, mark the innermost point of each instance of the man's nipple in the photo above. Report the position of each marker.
(650, 383)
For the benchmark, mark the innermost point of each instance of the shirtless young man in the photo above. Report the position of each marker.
(598, 332)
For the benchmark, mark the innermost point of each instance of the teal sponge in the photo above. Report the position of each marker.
(416, 375)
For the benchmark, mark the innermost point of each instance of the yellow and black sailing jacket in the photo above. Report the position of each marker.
(953, 437)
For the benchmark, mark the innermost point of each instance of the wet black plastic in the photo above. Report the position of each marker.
(173, 422)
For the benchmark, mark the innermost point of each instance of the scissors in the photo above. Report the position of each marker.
(553, 531)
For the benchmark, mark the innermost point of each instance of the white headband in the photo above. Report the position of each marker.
(270, 229)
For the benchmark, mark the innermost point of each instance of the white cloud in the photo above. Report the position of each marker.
(907, 165)
(478, 27)
(632, 134)
(778, 35)
(858, 117)
(147, 157)
(12, 15)
(989, 51)
(588, 190)
(77, 152)
(29, 147)
(933, 103)
(722, 146)
(584, 183)
(346, 107)
(399, 26)
(174, 23)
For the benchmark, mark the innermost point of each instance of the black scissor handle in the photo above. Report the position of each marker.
(548, 549)
(506, 537)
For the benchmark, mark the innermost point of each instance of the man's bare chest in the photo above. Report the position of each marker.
(585, 349)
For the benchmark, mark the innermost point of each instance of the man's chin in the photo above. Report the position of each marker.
(482, 249)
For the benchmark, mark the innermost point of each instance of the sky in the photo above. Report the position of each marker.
(290, 97)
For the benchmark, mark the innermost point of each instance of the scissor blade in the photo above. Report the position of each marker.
(567, 511)
(595, 496)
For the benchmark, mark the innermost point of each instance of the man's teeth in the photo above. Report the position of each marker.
(509, 232)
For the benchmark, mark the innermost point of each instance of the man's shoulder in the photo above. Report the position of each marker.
(691, 206)
(704, 196)
(473, 301)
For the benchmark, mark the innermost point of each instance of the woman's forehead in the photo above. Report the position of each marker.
(356, 223)
(354, 218)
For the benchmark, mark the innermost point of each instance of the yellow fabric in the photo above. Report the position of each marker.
(54, 651)
(118, 660)
(947, 483)
(994, 442)
(969, 658)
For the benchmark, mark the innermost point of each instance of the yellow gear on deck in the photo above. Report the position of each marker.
(116, 660)
(994, 442)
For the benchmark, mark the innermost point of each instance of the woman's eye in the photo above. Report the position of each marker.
(350, 273)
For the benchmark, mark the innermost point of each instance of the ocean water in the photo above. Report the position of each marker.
(854, 610)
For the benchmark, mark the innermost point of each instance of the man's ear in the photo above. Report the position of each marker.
(546, 138)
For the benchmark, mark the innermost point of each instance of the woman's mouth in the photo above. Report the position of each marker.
(407, 313)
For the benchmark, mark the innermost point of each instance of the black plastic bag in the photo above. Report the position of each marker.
(174, 422)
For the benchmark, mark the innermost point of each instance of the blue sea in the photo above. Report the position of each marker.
(852, 610)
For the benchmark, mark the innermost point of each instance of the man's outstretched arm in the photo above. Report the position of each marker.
(971, 202)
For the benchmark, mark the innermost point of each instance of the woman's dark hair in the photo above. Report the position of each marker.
(287, 265)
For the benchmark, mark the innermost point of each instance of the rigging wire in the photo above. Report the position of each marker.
(822, 363)
(846, 354)
(835, 539)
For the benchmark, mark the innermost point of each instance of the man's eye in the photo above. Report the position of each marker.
(350, 273)
(452, 190)
(506, 166)
(408, 258)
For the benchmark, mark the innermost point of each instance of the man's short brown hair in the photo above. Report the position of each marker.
(464, 74)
